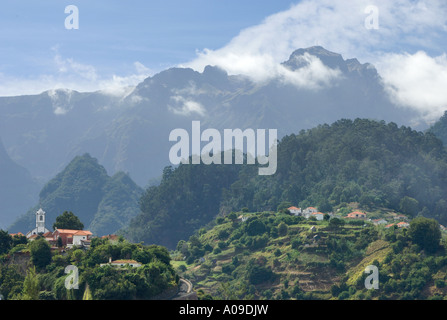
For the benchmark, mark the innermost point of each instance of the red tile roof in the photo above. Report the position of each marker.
(16, 234)
(73, 232)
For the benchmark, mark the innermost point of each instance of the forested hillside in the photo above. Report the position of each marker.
(187, 198)
(439, 128)
(104, 204)
(374, 163)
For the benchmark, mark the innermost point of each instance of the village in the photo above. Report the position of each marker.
(61, 239)
(398, 220)
(313, 212)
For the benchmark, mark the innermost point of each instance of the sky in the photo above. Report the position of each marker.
(120, 43)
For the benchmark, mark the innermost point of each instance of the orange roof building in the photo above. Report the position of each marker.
(356, 215)
(18, 234)
(72, 237)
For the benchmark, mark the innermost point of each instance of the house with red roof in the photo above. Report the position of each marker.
(318, 215)
(294, 210)
(73, 237)
(403, 224)
(122, 263)
(356, 215)
(18, 234)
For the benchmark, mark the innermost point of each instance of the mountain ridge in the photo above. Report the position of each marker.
(104, 204)
(129, 132)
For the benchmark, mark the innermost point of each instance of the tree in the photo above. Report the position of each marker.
(11, 281)
(282, 229)
(40, 253)
(409, 206)
(256, 227)
(31, 285)
(336, 223)
(5, 242)
(426, 233)
(283, 206)
(68, 221)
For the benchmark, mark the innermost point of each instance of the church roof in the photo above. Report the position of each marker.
(74, 232)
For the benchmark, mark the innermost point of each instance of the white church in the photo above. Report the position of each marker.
(40, 224)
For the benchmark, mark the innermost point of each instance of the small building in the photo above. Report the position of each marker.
(295, 211)
(400, 217)
(356, 215)
(113, 238)
(18, 234)
(310, 210)
(72, 237)
(379, 222)
(318, 215)
(403, 224)
(122, 263)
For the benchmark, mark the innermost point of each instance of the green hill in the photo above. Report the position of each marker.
(273, 255)
(104, 204)
(374, 163)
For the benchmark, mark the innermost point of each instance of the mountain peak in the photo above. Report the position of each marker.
(330, 59)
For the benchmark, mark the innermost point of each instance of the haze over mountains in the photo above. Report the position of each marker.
(129, 130)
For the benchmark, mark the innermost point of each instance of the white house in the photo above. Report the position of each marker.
(295, 211)
(310, 210)
(318, 215)
(82, 238)
(378, 222)
(307, 213)
(122, 263)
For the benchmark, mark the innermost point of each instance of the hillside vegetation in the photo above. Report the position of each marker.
(34, 271)
(374, 163)
(273, 255)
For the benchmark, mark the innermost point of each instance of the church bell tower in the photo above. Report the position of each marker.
(40, 221)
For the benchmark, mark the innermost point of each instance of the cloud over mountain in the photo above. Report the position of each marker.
(340, 25)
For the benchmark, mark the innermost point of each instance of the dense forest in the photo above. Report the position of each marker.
(374, 163)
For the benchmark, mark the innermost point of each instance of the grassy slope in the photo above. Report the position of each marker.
(306, 268)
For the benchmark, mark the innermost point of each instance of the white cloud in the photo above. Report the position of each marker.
(339, 26)
(69, 67)
(71, 74)
(61, 100)
(417, 81)
(185, 107)
(314, 74)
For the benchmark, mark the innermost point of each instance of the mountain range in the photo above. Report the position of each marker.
(103, 203)
(129, 130)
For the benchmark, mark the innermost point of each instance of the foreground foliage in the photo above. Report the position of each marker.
(43, 276)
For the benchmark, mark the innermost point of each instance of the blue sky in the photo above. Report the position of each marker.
(112, 35)
(119, 43)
